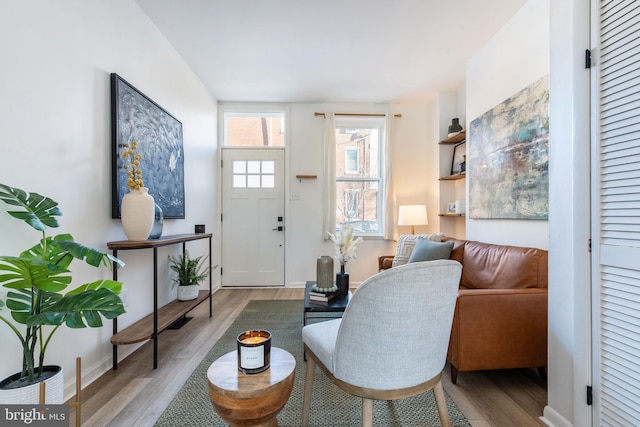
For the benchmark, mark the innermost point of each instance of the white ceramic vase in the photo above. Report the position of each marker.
(54, 390)
(189, 292)
(137, 213)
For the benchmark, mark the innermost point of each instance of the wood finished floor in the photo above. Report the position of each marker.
(136, 394)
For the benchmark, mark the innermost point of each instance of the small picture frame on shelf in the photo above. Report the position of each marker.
(451, 208)
(459, 161)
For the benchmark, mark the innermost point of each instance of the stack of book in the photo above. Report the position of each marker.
(322, 298)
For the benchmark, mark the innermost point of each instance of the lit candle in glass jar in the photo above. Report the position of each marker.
(254, 340)
(254, 348)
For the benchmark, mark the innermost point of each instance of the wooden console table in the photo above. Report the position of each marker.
(150, 326)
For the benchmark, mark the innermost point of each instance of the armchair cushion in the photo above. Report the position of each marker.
(426, 250)
(322, 338)
(406, 243)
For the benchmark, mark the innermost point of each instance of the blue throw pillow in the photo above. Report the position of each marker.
(426, 250)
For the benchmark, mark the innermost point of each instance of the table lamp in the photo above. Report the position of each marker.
(412, 215)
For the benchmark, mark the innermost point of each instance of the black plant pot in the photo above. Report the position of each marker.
(342, 282)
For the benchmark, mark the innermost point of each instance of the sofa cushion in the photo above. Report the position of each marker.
(426, 250)
(487, 266)
(406, 243)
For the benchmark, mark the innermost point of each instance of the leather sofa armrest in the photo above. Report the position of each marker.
(499, 329)
(385, 262)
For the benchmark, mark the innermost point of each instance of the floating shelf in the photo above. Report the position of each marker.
(301, 177)
(453, 177)
(453, 215)
(455, 138)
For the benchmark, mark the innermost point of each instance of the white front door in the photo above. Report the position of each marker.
(252, 217)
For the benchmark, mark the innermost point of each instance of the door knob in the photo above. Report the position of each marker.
(279, 228)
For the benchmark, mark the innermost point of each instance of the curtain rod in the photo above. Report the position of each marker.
(357, 114)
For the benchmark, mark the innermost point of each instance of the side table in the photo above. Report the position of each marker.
(251, 399)
(337, 306)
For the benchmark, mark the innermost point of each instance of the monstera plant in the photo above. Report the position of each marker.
(37, 281)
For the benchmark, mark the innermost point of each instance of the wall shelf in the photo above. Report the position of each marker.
(455, 138)
(451, 215)
(453, 177)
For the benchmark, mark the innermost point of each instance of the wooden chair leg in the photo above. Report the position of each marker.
(367, 412)
(441, 403)
(308, 385)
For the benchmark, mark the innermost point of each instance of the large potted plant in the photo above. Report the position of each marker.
(37, 299)
(190, 272)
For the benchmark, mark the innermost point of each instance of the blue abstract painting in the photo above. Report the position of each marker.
(137, 118)
(508, 164)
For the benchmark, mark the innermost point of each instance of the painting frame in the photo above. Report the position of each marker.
(459, 159)
(135, 117)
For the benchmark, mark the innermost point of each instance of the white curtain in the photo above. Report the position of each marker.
(329, 217)
(391, 229)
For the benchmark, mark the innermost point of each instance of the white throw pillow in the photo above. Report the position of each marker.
(406, 243)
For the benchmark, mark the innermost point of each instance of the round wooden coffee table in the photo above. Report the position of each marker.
(251, 399)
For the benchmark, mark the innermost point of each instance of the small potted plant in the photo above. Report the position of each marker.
(36, 280)
(190, 272)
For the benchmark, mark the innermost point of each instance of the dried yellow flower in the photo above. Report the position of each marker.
(134, 172)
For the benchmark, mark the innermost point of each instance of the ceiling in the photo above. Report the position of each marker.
(331, 50)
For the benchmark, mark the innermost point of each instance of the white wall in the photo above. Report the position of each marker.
(569, 279)
(415, 181)
(514, 58)
(56, 140)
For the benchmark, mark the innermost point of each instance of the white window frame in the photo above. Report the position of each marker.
(368, 123)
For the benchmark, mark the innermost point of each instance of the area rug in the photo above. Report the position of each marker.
(330, 406)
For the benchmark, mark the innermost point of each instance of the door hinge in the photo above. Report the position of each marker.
(587, 58)
(589, 395)
(221, 271)
(589, 245)
(221, 163)
(220, 217)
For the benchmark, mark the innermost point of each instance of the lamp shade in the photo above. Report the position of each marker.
(412, 215)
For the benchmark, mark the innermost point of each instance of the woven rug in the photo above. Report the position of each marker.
(330, 406)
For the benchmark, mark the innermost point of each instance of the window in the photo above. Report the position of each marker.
(352, 160)
(254, 129)
(360, 174)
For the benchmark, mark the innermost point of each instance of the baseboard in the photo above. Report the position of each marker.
(552, 418)
(91, 373)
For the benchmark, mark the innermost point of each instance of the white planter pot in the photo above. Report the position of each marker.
(30, 394)
(186, 293)
(137, 214)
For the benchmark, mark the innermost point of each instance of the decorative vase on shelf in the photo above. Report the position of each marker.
(324, 272)
(158, 219)
(342, 281)
(137, 213)
(455, 127)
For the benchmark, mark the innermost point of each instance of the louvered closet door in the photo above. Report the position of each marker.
(616, 278)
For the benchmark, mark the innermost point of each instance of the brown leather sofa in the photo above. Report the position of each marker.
(500, 320)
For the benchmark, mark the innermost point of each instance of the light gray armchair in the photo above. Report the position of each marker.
(392, 340)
